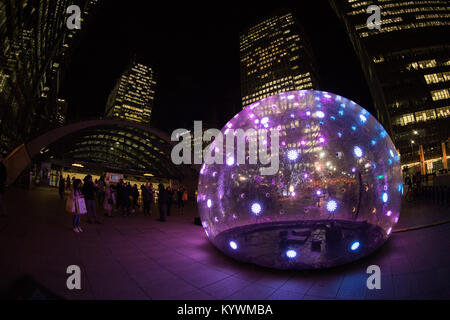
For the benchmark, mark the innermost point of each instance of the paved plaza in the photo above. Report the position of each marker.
(142, 258)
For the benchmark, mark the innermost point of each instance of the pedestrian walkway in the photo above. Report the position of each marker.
(141, 258)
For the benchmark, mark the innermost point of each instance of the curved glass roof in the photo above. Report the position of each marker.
(123, 148)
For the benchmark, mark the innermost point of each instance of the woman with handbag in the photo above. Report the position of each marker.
(109, 201)
(76, 205)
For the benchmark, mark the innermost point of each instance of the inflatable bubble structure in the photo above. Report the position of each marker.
(335, 196)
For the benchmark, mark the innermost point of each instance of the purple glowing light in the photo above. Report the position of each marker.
(389, 213)
(230, 161)
(321, 140)
(318, 193)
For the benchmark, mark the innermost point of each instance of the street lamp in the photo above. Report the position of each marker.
(416, 132)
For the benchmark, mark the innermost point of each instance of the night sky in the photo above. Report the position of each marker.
(194, 49)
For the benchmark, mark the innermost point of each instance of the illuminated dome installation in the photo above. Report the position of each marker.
(335, 196)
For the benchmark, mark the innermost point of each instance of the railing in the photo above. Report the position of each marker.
(439, 195)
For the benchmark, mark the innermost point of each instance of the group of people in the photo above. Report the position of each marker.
(122, 196)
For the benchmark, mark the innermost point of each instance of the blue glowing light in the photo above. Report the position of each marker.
(256, 208)
(333, 118)
(357, 151)
(363, 118)
(373, 142)
(354, 128)
(400, 188)
(332, 206)
(355, 245)
(291, 254)
(391, 153)
(385, 197)
(341, 113)
(292, 155)
(233, 245)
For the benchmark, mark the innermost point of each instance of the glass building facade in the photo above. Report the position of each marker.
(407, 65)
(35, 47)
(133, 95)
(275, 57)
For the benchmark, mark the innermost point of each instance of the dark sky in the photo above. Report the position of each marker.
(194, 49)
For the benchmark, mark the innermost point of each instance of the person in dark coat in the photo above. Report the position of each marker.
(89, 195)
(145, 199)
(169, 199)
(134, 198)
(123, 197)
(2, 185)
(162, 201)
(61, 187)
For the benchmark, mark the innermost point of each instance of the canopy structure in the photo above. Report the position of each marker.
(106, 145)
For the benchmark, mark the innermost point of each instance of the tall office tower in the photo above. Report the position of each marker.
(407, 65)
(133, 95)
(34, 37)
(275, 57)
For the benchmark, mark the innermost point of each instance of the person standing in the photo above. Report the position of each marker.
(184, 197)
(101, 186)
(180, 200)
(162, 201)
(134, 198)
(109, 200)
(73, 207)
(68, 182)
(169, 199)
(145, 199)
(2, 185)
(61, 186)
(151, 192)
(89, 195)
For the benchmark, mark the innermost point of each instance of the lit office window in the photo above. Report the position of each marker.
(437, 77)
(443, 112)
(425, 115)
(440, 94)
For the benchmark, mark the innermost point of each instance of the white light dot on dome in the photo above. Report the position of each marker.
(385, 197)
(264, 120)
(389, 213)
(291, 253)
(389, 231)
(233, 245)
(230, 161)
(209, 203)
(363, 118)
(391, 153)
(320, 114)
(256, 208)
(292, 155)
(332, 206)
(357, 151)
(355, 245)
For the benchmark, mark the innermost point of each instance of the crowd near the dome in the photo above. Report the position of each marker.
(88, 197)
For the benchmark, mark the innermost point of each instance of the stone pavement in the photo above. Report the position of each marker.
(141, 258)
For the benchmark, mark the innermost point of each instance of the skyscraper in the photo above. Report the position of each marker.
(275, 57)
(33, 53)
(407, 65)
(133, 95)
